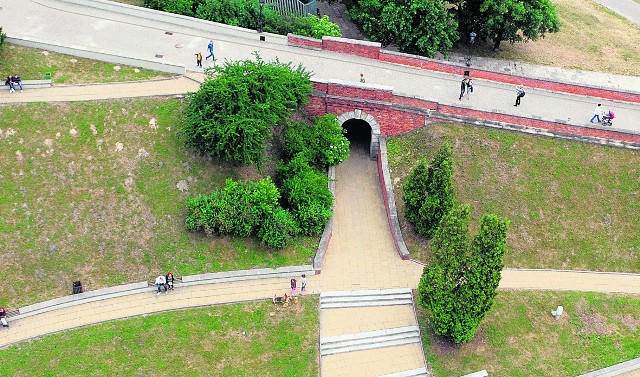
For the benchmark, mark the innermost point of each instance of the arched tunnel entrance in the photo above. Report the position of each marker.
(363, 131)
(358, 133)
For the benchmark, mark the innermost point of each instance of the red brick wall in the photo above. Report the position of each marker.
(347, 46)
(296, 40)
(395, 121)
(359, 92)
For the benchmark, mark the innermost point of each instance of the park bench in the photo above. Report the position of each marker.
(34, 84)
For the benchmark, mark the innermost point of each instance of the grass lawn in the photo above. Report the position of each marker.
(32, 64)
(231, 340)
(572, 205)
(520, 338)
(90, 193)
(591, 38)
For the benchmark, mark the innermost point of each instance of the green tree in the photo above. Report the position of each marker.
(459, 284)
(421, 27)
(2, 36)
(507, 20)
(236, 108)
(415, 192)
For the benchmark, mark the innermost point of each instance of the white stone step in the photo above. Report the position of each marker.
(420, 372)
(345, 299)
(369, 340)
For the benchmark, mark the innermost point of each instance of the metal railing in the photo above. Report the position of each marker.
(293, 7)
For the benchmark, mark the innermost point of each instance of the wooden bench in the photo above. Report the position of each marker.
(34, 84)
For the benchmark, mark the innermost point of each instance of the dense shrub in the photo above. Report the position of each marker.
(232, 113)
(305, 190)
(237, 209)
(2, 36)
(322, 144)
(245, 13)
(278, 229)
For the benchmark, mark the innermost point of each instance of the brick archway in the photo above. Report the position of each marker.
(374, 145)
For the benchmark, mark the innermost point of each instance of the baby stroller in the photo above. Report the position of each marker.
(607, 118)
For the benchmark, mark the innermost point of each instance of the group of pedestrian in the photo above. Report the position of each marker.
(14, 81)
(164, 282)
(466, 88)
(303, 285)
(211, 54)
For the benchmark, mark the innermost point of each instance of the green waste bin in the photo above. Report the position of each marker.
(47, 76)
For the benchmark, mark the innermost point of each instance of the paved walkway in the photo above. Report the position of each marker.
(628, 9)
(361, 254)
(110, 33)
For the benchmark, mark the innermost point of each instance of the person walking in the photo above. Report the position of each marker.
(210, 48)
(293, 287)
(597, 113)
(199, 59)
(463, 88)
(519, 94)
(303, 283)
(469, 88)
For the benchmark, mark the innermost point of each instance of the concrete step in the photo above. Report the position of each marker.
(369, 340)
(345, 299)
(420, 372)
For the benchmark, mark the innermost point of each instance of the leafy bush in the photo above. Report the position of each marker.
(237, 209)
(245, 13)
(278, 229)
(306, 192)
(231, 115)
(2, 36)
(416, 26)
(322, 144)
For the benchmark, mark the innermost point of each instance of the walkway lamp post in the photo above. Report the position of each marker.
(472, 39)
(261, 17)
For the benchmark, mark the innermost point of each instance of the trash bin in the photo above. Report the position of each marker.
(467, 73)
(77, 287)
(47, 76)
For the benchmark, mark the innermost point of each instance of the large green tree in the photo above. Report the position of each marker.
(459, 284)
(236, 108)
(507, 20)
(417, 26)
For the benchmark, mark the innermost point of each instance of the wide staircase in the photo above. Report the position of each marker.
(370, 333)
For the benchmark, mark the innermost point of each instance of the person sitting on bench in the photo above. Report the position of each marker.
(3, 317)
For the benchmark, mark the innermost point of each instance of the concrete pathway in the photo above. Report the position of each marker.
(109, 32)
(628, 9)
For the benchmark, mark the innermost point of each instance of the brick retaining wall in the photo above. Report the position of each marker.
(373, 50)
